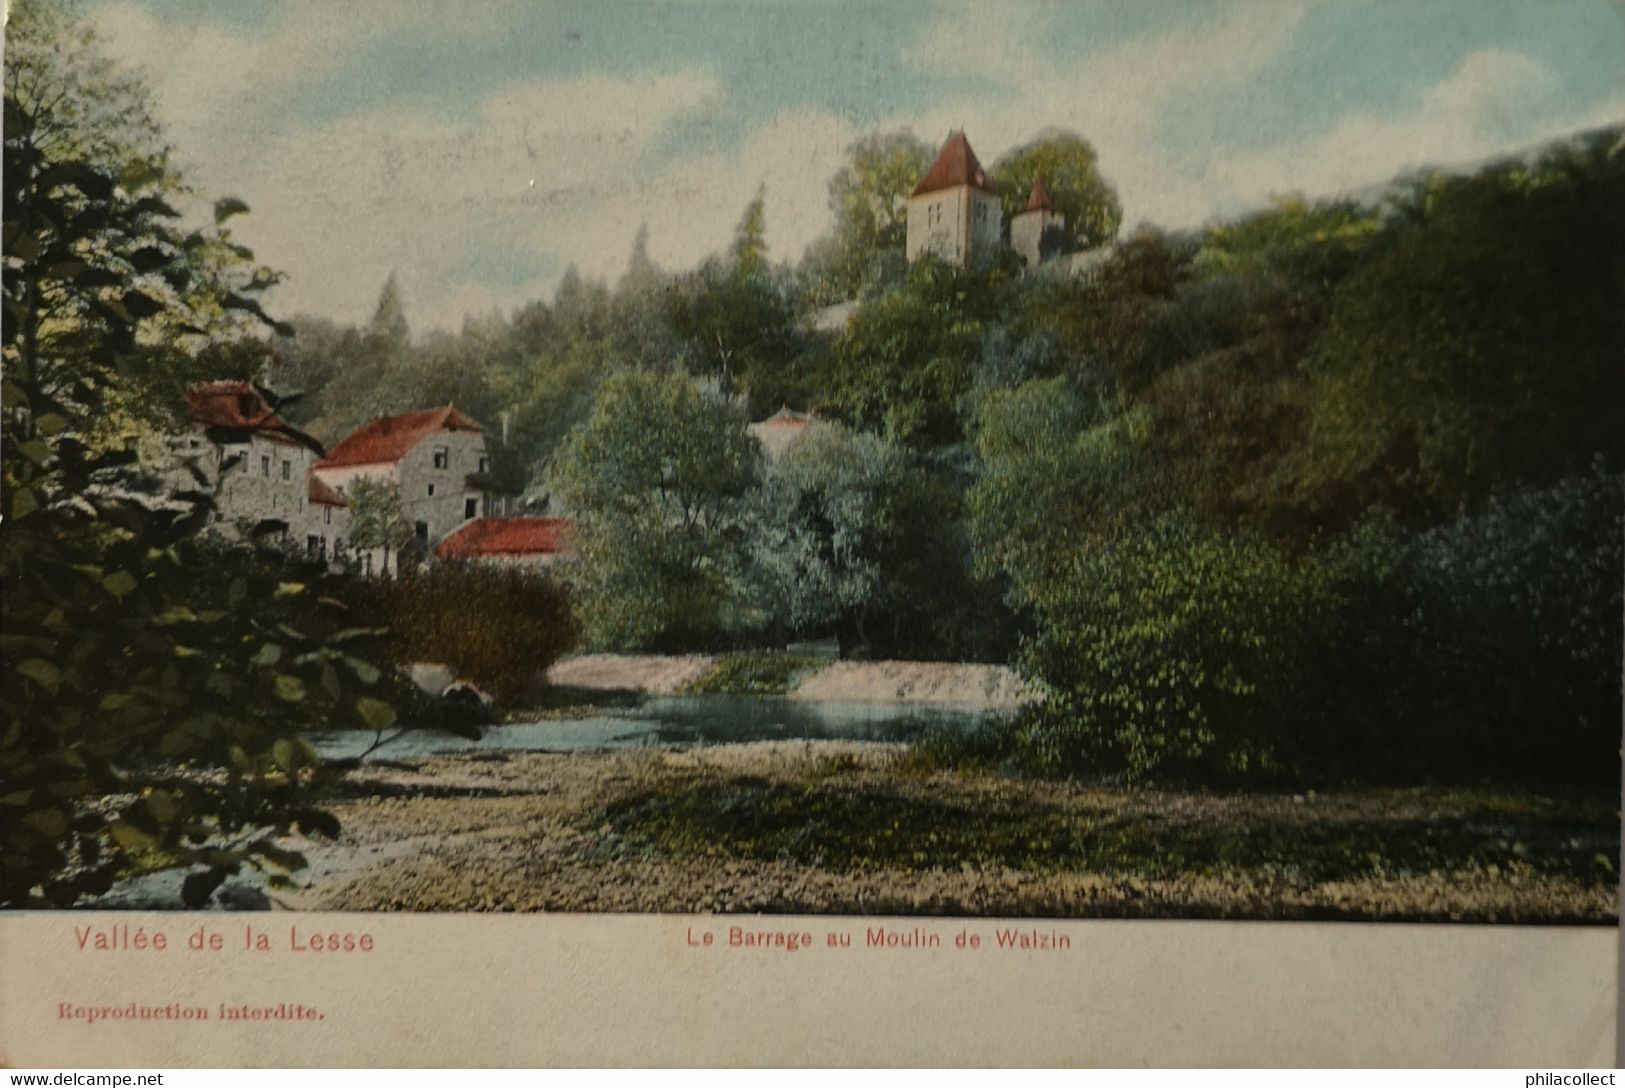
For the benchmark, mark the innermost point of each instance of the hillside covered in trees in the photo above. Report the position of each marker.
(1334, 485)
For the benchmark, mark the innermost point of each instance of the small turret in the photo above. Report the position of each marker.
(1038, 231)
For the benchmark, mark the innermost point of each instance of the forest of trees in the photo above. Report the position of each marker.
(1333, 489)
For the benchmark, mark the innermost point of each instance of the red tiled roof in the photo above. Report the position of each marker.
(508, 536)
(325, 494)
(785, 417)
(385, 441)
(956, 165)
(230, 404)
(1039, 200)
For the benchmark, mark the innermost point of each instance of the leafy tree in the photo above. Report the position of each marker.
(1070, 171)
(377, 519)
(1173, 651)
(907, 357)
(869, 196)
(108, 302)
(156, 685)
(656, 478)
(843, 530)
(155, 691)
(734, 319)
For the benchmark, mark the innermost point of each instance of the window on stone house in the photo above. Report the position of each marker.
(431, 489)
(287, 470)
(327, 515)
(442, 457)
(312, 543)
(485, 464)
(934, 215)
(265, 466)
(471, 507)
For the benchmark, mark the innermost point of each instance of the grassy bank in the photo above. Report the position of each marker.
(838, 828)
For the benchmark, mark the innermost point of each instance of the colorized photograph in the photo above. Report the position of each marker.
(1016, 460)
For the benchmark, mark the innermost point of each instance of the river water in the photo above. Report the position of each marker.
(680, 721)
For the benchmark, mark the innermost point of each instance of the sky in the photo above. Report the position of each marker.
(479, 148)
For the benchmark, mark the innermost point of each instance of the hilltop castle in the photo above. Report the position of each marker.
(954, 213)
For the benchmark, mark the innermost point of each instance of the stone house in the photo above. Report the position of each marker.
(256, 467)
(435, 460)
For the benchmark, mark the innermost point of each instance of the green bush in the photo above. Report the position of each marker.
(1170, 652)
(1499, 642)
(1488, 648)
(498, 627)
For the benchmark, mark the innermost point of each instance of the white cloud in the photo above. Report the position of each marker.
(1114, 97)
(1494, 100)
(556, 169)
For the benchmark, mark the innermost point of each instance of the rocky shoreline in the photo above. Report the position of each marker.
(552, 832)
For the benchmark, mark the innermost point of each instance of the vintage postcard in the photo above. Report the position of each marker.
(827, 512)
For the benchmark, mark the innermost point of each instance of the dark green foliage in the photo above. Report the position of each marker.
(1487, 647)
(1071, 174)
(1171, 652)
(846, 538)
(909, 355)
(154, 694)
(497, 627)
(1476, 345)
(93, 249)
(657, 478)
(869, 197)
(879, 824)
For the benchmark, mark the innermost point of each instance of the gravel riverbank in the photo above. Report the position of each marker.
(825, 827)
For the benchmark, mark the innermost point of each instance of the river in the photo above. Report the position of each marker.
(679, 721)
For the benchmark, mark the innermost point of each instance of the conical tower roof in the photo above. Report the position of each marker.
(1039, 201)
(956, 165)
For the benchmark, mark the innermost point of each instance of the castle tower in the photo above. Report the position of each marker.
(953, 213)
(1028, 227)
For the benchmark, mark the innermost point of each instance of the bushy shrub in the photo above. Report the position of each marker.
(1513, 633)
(499, 628)
(1489, 648)
(1174, 651)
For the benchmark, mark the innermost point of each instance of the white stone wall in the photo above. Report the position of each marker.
(1027, 233)
(956, 225)
(324, 530)
(986, 224)
(256, 480)
(941, 232)
(447, 506)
